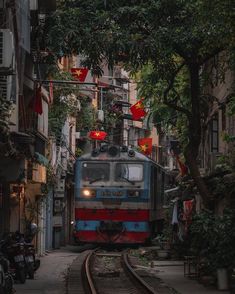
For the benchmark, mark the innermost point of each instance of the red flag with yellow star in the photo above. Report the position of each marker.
(138, 110)
(37, 106)
(79, 73)
(182, 167)
(145, 145)
(97, 135)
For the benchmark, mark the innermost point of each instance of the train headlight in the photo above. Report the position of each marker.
(134, 193)
(88, 193)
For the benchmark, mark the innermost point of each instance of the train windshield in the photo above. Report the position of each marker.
(95, 172)
(131, 172)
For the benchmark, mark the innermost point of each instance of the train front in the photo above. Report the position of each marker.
(112, 197)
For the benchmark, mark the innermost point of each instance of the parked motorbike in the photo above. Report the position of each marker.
(17, 262)
(30, 259)
(13, 248)
(32, 263)
(6, 279)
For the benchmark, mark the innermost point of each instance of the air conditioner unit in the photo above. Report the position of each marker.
(100, 115)
(6, 87)
(77, 135)
(60, 188)
(6, 48)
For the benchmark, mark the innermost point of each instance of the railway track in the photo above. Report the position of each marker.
(105, 273)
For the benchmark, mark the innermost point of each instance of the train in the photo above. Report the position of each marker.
(118, 196)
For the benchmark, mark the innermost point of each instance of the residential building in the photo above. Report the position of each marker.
(23, 152)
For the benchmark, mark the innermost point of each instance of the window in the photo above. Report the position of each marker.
(95, 172)
(23, 22)
(214, 134)
(129, 172)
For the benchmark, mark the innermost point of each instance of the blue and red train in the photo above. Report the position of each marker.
(118, 196)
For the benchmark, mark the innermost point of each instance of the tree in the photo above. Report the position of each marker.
(65, 103)
(170, 35)
(5, 144)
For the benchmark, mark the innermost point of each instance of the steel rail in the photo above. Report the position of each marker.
(88, 275)
(90, 286)
(148, 289)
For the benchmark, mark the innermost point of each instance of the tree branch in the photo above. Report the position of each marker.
(210, 55)
(178, 108)
(169, 87)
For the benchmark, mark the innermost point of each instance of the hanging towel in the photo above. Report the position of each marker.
(175, 214)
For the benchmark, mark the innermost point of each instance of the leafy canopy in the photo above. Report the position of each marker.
(161, 36)
(141, 31)
(169, 36)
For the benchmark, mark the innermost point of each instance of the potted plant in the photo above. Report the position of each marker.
(163, 250)
(222, 253)
(212, 238)
(163, 240)
(165, 237)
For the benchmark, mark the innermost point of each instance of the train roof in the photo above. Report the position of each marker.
(114, 153)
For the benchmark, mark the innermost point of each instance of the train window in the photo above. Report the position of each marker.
(95, 172)
(132, 172)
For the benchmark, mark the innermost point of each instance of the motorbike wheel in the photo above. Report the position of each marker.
(20, 275)
(30, 270)
(9, 285)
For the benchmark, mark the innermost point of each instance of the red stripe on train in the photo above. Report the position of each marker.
(112, 214)
(121, 238)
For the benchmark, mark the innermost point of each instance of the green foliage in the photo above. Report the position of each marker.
(64, 104)
(86, 116)
(165, 112)
(140, 30)
(213, 237)
(174, 39)
(78, 152)
(164, 239)
(231, 104)
(158, 37)
(221, 183)
(229, 160)
(51, 176)
(5, 107)
(228, 138)
(112, 114)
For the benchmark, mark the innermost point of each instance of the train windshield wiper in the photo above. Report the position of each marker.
(129, 181)
(95, 180)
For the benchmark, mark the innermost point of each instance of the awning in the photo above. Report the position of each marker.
(41, 159)
(22, 138)
(105, 85)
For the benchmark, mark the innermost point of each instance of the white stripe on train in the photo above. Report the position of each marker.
(100, 205)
